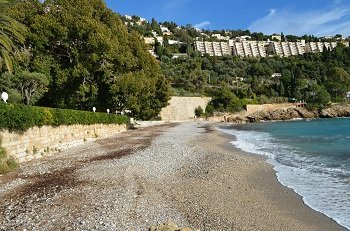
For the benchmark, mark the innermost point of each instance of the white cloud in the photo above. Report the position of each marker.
(332, 20)
(202, 25)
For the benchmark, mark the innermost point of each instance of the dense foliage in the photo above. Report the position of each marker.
(88, 57)
(78, 54)
(10, 32)
(314, 78)
(19, 117)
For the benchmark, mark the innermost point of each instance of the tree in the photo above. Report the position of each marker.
(10, 32)
(93, 60)
(338, 82)
(30, 85)
(317, 95)
(281, 89)
(155, 26)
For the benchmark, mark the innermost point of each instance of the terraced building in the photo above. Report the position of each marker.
(261, 49)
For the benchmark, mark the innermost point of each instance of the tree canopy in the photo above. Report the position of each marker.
(90, 58)
(10, 32)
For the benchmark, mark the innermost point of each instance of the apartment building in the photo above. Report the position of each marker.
(261, 48)
(315, 47)
(213, 48)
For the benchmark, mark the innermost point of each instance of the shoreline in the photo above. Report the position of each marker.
(188, 173)
(284, 193)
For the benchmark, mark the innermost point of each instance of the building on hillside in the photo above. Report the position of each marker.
(179, 55)
(249, 49)
(262, 49)
(220, 37)
(286, 49)
(128, 17)
(276, 37)
(150, 40)
(276, 75)
(171, 42)
(316, 47)
(160, 39)
(165, 31)
(243, 38)
(213, 48)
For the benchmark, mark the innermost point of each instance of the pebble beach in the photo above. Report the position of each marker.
(187, 173)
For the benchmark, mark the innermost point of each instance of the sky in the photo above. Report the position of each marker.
(296, 17)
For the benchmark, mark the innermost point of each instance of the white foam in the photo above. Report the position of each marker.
(315, 182)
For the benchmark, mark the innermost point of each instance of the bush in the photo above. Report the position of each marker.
(7, 164)
(18, 117)
(198, 111)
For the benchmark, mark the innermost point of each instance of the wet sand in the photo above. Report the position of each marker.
(242, 189)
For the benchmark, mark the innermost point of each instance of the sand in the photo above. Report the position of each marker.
(242, 190)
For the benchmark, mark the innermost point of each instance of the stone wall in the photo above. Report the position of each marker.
(182, 108)
(268, 107)
(41, 141)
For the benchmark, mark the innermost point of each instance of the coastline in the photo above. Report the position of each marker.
(259, 201)
(188, 173)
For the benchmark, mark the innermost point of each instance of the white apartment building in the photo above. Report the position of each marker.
(261, 48)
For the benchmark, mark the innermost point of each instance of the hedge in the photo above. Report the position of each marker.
(19, 117)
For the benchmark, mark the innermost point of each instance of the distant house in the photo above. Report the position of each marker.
(276, 37)
(171, 42)
(149, 40)
(220, 37)
(165, 30)
(328, 37)
(243, 38)
(276, 75)
(179, 55)
(348, 95)
(128, 17)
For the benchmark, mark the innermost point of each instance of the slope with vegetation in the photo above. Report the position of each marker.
(233, 82)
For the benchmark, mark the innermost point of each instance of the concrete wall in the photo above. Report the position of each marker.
(41, 141)
(268, 107)
(182, 108)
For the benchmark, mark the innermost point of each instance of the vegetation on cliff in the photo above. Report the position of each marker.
(79, 55)
(317, 79)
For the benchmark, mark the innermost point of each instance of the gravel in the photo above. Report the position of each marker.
(117, 183)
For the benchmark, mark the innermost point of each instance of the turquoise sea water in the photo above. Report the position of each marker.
(311, 157)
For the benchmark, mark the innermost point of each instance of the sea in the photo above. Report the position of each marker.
(312, 157)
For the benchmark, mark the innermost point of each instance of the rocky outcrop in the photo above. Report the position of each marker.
(336, 111)
(291, 113)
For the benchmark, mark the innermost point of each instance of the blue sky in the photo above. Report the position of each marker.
(297, 17)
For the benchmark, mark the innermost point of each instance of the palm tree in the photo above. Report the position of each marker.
(11, 32)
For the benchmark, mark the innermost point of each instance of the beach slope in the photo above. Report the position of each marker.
(187, 173)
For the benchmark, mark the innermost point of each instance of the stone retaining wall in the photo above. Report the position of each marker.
(182, 108)
(268, 107)
(41, 141)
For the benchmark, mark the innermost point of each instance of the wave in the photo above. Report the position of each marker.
(324, 185)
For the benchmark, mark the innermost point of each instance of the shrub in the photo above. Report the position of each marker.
(198, 111)
(18, 117)
(7, 164)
